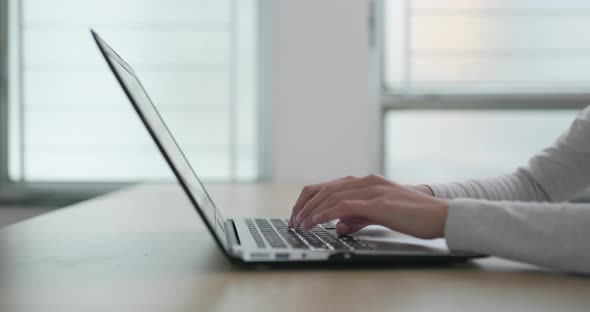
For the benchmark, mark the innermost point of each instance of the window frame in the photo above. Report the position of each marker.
(57, 193)
(392, 101)
(4, 177)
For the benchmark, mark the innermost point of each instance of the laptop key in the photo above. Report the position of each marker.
(329, 225)
(311, 239)
(275, 231)
(355, 243)
(331, 240)
(294, 240)
(288, 234)
(270, 234)
(255, 234)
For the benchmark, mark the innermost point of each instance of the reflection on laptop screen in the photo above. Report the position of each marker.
(170, 148)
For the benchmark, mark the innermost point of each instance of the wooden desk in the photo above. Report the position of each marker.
(144, 249)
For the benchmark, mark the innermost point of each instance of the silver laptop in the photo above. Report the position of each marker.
(259, 240)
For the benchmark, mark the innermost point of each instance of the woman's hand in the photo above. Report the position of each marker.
(359, 202)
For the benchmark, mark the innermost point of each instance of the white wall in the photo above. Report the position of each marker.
(323, 100)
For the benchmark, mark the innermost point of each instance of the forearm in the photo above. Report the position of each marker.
(549, 234)
(519, 186)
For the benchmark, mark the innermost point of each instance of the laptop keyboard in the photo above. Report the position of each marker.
(274, 233)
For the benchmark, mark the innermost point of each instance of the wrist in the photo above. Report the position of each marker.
(423, 188)
(442, 213)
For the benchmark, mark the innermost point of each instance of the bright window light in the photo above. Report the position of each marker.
(197, 60)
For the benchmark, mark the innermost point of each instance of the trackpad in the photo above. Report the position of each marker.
(385, 239)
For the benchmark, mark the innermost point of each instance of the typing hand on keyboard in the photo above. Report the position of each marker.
(358, 202)
(276, 233)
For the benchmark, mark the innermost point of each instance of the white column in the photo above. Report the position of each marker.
(323, 101)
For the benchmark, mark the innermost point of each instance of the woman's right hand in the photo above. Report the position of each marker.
(359, 202)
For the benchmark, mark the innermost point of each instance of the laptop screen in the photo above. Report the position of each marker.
(165, 141)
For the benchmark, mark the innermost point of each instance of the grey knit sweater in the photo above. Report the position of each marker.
(525, 216)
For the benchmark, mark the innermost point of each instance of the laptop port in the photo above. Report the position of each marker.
(259, 255)
(281, 256)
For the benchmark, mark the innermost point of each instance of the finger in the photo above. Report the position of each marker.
(353, 220)
(344, 209)
(345, 228)
(306, 194)
(333, 189)
(365, 193)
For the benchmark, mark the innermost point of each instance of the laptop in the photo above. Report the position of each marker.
(260, 240)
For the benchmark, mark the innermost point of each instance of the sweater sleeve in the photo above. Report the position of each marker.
(548, 234)
(523, 216)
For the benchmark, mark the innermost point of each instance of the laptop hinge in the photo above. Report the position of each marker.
(231, 233)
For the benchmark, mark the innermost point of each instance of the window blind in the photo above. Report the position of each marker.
(487, 46)
(197, 60)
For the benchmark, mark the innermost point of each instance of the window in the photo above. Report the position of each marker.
(442, 145)
(71, 122)
(487, 46)
(474, 88)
